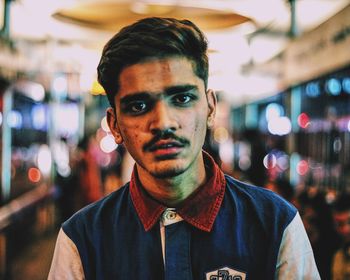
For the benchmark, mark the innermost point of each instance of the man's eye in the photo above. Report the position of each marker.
(136, 107)
(183, 98)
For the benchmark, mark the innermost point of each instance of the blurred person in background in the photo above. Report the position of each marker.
(256, 172)
(66, 183)
(89, 173)
(180, 216)
(282, 187)
(341, 216)
(316, 215)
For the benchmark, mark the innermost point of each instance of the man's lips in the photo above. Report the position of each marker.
(166, 146)
(167, 142)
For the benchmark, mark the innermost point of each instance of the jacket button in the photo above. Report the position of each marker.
(170, 215)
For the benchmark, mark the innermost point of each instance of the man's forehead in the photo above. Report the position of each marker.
(163, 63)
(156, 74)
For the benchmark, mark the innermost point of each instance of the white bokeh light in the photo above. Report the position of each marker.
(280, 126)
(104, 124)
(15, 119)
(107, 144)
(273, 110)
(270, 161)
(44, 159)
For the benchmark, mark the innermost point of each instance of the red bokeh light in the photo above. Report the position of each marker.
(34, 175)
(302, 167)
(303, 120)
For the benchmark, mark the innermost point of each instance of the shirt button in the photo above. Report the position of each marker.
(170, 215)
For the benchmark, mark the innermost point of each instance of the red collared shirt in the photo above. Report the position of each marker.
(199, 209)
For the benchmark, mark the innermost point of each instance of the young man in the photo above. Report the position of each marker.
(341, 217)
(179, 217)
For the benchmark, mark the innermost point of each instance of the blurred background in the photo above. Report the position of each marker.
(281, 69)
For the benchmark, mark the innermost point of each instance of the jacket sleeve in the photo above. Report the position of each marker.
(66, 263)
(295, 258)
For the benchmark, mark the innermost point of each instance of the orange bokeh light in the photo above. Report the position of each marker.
(34, 175)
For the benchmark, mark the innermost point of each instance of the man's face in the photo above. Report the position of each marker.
(162, 113)
(342, 224)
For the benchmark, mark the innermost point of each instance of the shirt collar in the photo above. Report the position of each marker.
(199, 209)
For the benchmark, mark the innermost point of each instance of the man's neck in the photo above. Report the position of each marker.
(173, 191)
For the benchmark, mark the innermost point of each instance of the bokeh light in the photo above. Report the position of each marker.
(333, 86)
(44, 159)
(34, 175)
(15, 119)
(220, 134)
(104, 124)
(270, 161)
(303, 120)
(107, 144)
(302, 167)
(279, 126)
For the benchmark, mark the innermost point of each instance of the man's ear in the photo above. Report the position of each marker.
(211, 99)
(113, 125)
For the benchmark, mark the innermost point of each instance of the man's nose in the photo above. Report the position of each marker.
(163, 118)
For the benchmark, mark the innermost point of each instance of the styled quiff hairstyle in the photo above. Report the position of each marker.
(147, 39)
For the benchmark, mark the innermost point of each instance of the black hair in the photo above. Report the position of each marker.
(151, 38)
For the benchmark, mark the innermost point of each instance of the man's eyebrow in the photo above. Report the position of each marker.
(180, 88)
(134, 97)
(168, 91)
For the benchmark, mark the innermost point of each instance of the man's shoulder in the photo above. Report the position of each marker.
(248, 189)
(108, 206)
(257, 197)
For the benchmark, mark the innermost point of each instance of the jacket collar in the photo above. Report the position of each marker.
(199, 209)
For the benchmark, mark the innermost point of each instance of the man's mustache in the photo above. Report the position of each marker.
(162, 135)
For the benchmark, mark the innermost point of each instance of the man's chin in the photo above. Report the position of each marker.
(168, 173)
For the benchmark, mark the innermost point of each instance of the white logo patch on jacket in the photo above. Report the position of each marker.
(225, 273)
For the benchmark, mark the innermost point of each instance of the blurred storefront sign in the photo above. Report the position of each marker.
(319, 51)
